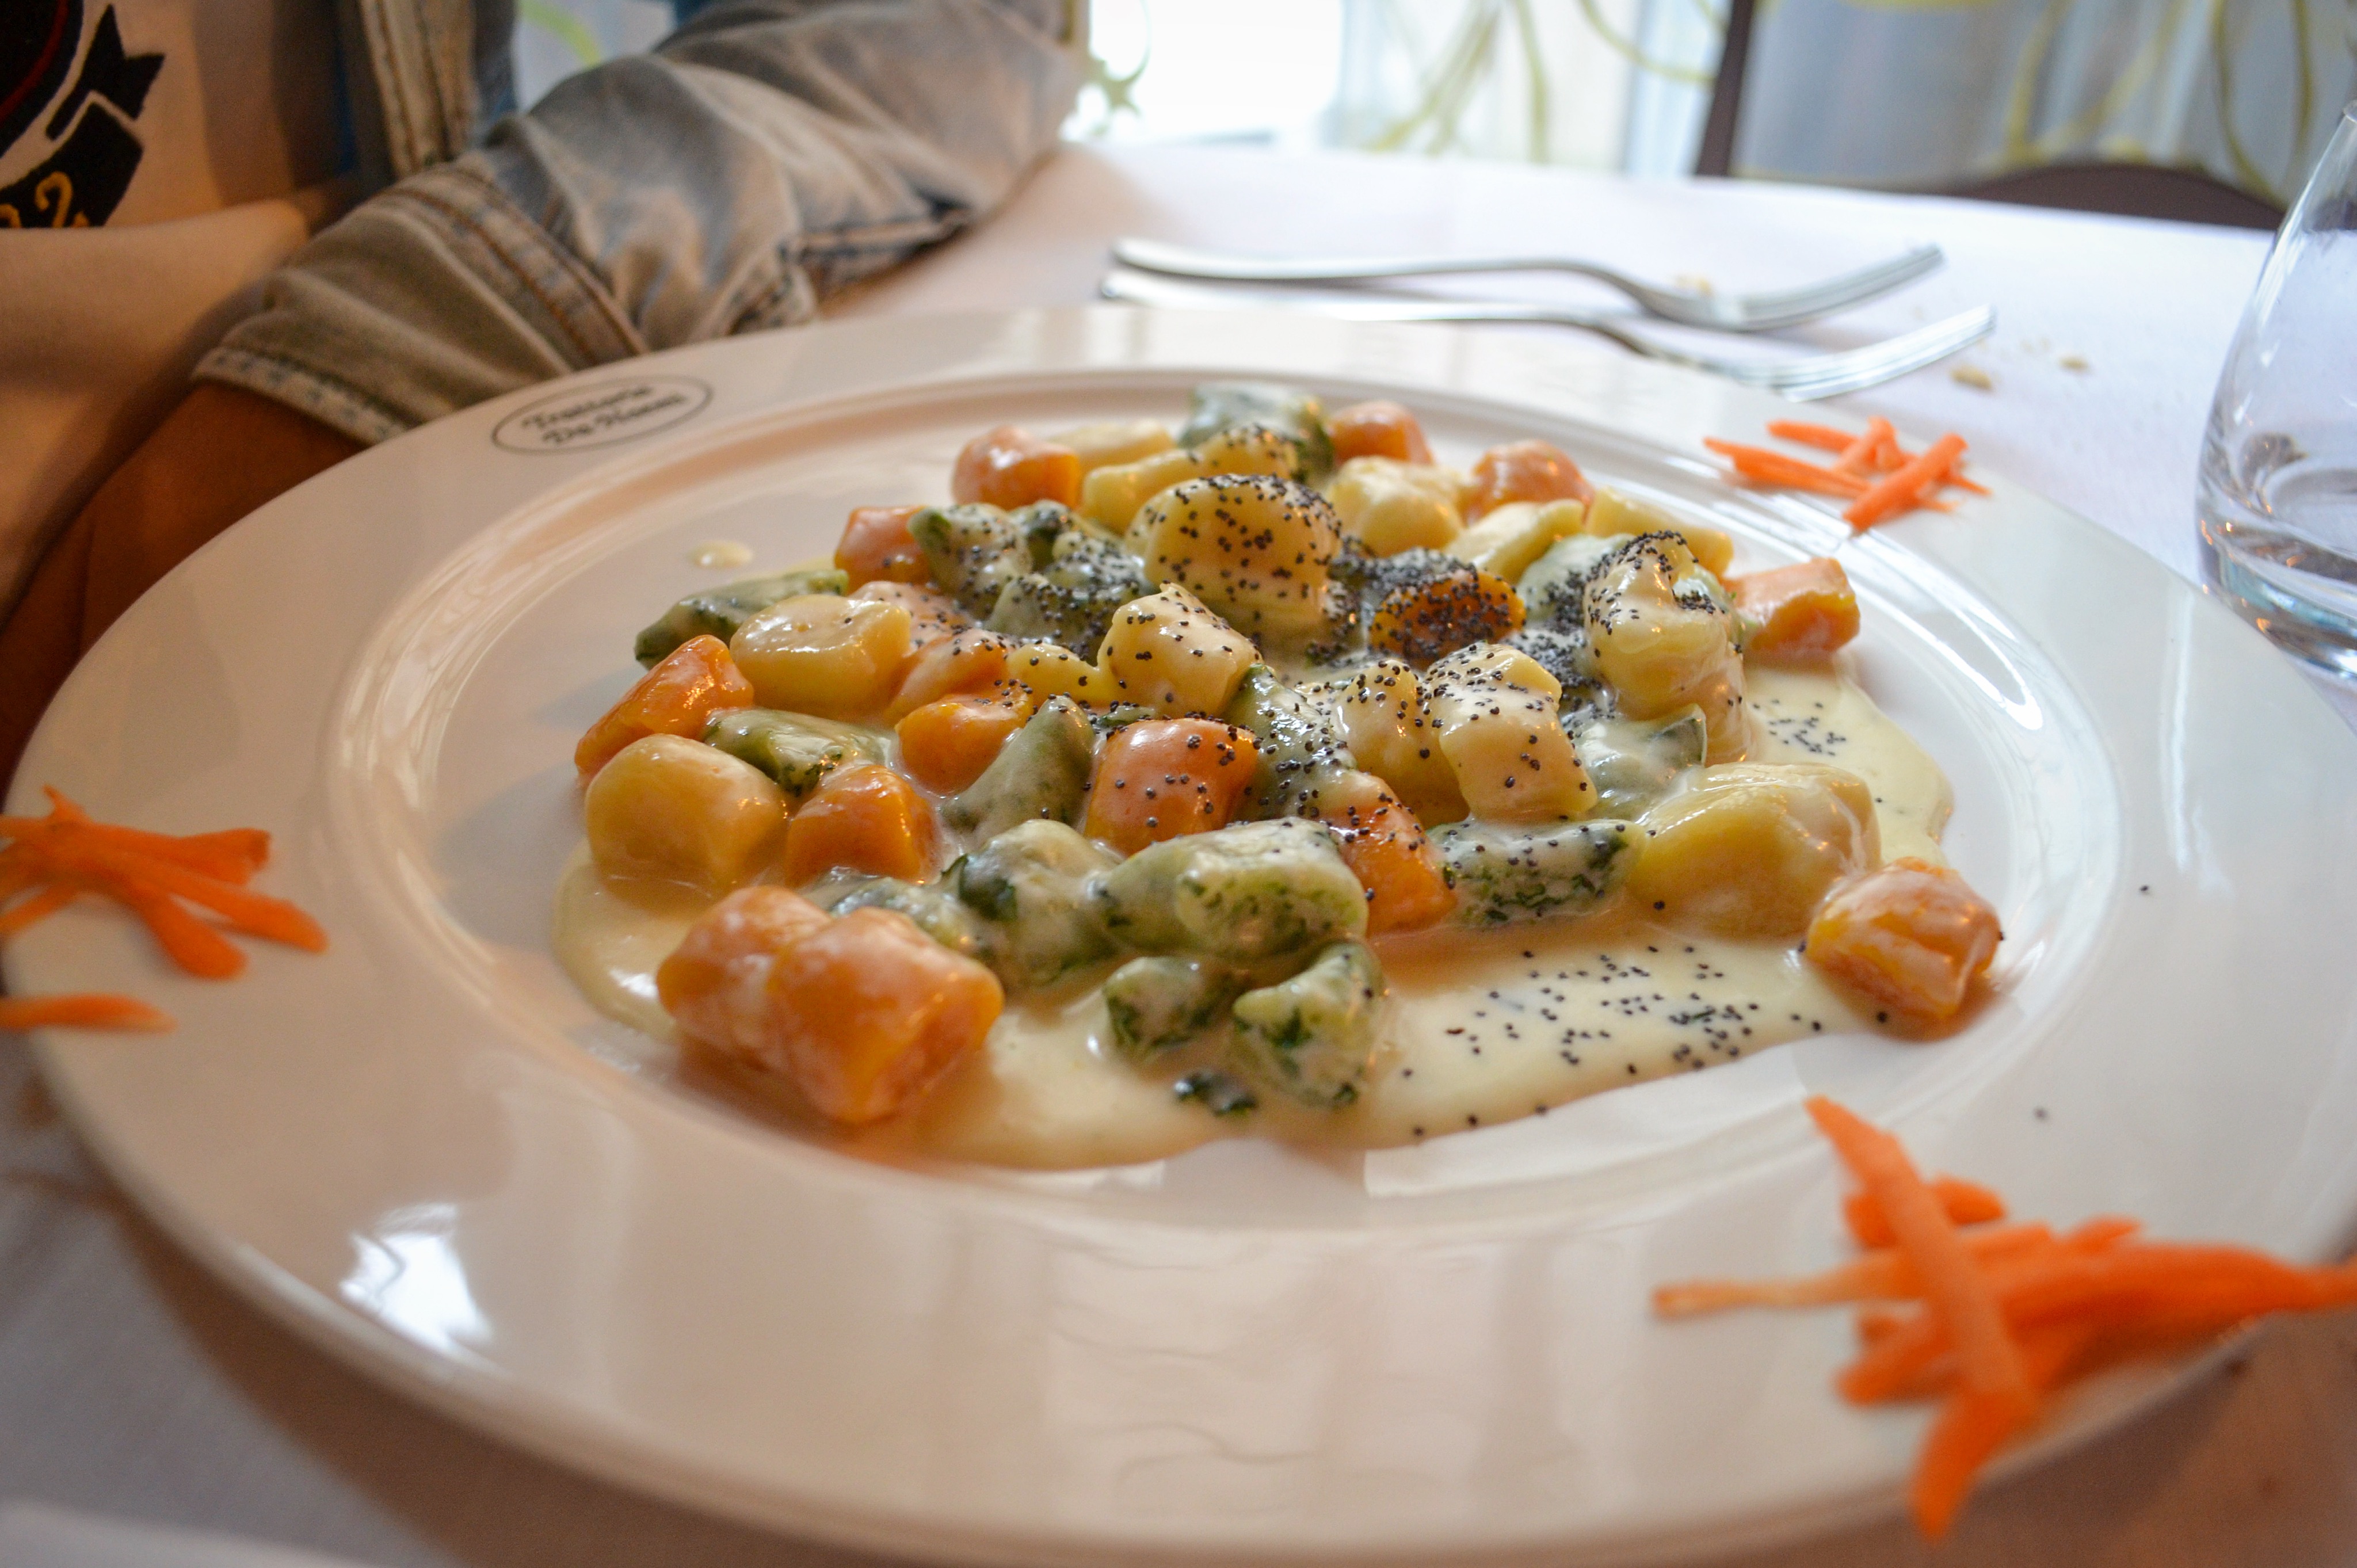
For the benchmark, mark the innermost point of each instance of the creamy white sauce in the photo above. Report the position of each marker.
(611, 936)
(1478, 1028)
(1814, 715)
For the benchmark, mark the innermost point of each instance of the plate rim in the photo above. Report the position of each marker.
(361, 1342)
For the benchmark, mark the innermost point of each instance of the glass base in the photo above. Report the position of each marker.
(2309, 632)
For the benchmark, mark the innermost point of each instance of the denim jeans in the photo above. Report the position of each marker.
(767, 152)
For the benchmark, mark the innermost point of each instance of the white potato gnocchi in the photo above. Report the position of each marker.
(669, 809)
(1115, 442)
(1112, 495)
(1047, 671)
(1510, 538)
(1664, 643)
(1495, 707)
(824, 654)
(1167, 651)
(1750, 850)
(1255, 549)
(1612, 514)
(1391, 732)
(1389, 506)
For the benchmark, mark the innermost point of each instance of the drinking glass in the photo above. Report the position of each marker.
(2277, 501)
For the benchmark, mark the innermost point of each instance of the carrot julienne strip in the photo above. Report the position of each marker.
(1956, 1287)
(249, 847)
(2054, 1352)
(1905, 486)
(1874, 451)
(1883, 1275)
(83, 1011)
(192, 944)
(36, 908)
(1887, 454)
(229, 857)
(1775, 468)
(195, 946)
(1877, 1322)
(2199, 1280)
(233, 855)
(66, 854)
(1865, 454)
(2009, 1312)
(1995, 1399)
(2197, 1290)
(2096, 1234)
(1966, 1202)
(256, 914)
(18, 871)
(1972, 1425)
(1897, 1362)
(1801, 432)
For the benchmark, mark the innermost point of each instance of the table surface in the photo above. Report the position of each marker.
(133, 1388)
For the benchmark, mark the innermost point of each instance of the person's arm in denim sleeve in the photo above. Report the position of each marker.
(768, 151)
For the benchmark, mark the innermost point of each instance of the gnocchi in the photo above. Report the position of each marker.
(1268, 771)
(1255, 548)
(1390, 506)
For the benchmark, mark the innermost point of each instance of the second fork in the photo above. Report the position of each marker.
(1724, 312)
(1802, 379)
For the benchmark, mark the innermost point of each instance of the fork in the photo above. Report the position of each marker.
(1725, 313)
(1804, 380)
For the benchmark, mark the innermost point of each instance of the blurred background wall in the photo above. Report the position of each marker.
(1909, 94)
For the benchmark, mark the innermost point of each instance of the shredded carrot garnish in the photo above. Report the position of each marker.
(2003, 1314)
(36, 908)
(1886, 1274)
(192, 944)
(158, 877)
(1888, 455)
(1966, 1202)
(1958, 1291)
(1775, 468)
(1867, 454)
(94, 1010)
(1971, 1427)
(233, 857)
(253, 913)
(1870, 468)
(1824, 437)
(1908, 485)
(2101, 1232)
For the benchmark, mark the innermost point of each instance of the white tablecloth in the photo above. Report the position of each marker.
(132, 1386)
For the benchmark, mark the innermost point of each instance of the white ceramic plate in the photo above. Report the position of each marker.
(427, 1154)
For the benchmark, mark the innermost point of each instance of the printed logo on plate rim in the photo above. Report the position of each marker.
(604, 413)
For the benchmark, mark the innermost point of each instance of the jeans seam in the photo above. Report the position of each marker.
(307, 390)
(460, 216)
